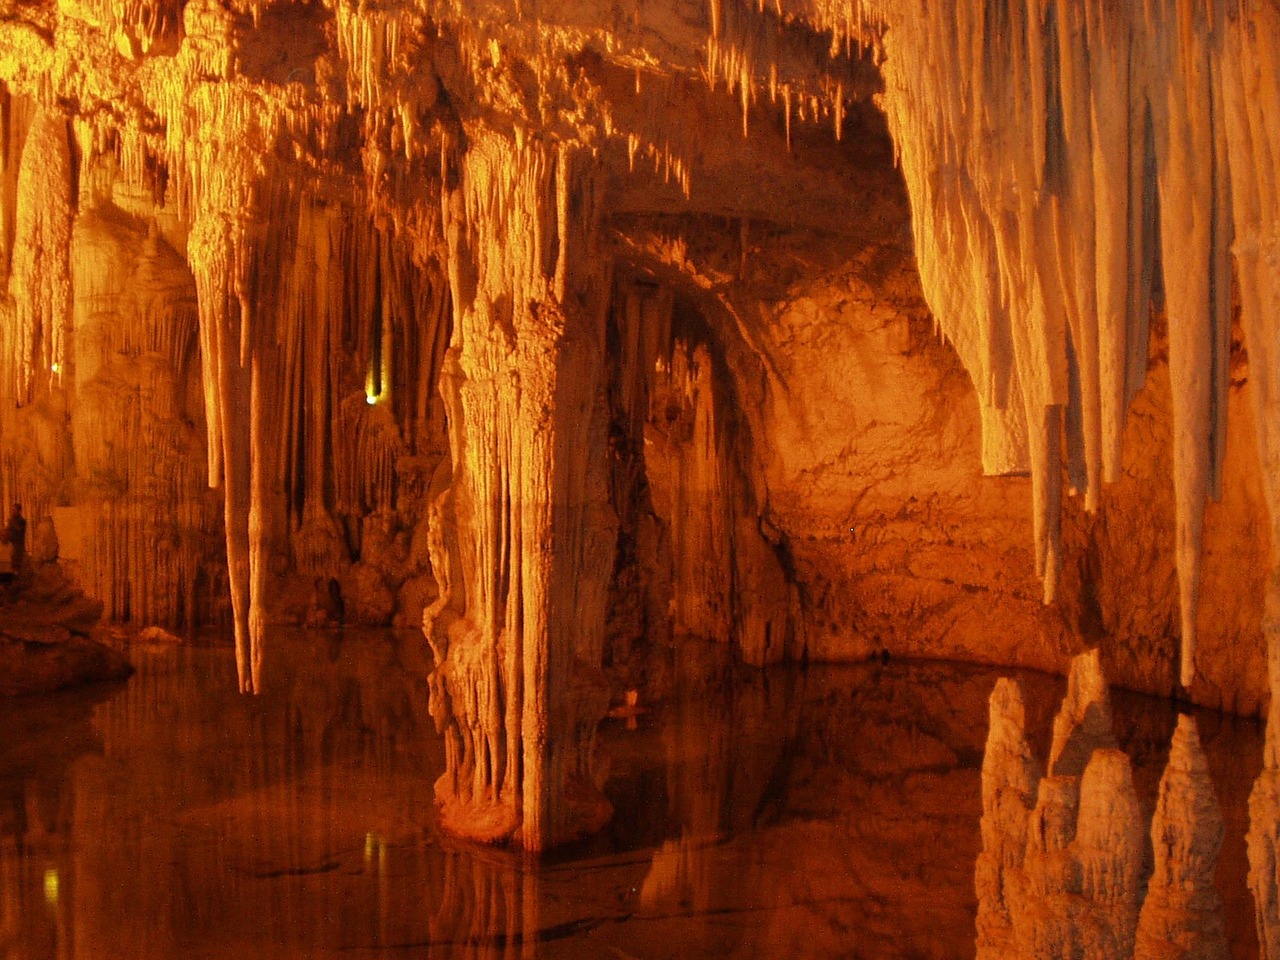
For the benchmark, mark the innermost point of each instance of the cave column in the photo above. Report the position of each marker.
(523, 537)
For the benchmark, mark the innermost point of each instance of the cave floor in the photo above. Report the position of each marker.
(823, 812)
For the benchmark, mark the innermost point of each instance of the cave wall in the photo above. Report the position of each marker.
(867, 459)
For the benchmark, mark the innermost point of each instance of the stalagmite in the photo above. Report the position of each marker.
(1010, 780)
(1083, 724)
(1182, 914)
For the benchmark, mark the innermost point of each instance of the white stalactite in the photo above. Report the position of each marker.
(35, 348)
(1028, 217)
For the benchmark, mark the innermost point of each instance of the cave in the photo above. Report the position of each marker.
(656, 478)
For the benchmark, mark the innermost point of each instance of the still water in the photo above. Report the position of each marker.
(827, 812)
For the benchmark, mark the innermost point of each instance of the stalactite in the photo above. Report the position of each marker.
(750, 47)
(1024, 214)
(1192, 187)
(214, 250)
(40, 283)
(1251, 116)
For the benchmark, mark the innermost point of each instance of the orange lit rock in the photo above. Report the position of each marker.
(627, 321)
(1182, 914)
(1063, 868)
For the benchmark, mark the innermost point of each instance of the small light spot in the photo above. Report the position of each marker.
(51, 886)
(56, 368)
(371, 398)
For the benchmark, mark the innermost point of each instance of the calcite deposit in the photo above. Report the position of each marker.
(569, 330)
(1064, 868)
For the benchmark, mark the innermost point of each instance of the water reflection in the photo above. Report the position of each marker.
(827, 813)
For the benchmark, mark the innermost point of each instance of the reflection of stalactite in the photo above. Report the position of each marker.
(1264, 842)
(1182, 914)
(1010, 778)
(1062, 864)
(1083, 725)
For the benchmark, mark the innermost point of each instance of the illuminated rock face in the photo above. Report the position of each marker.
(578, 330)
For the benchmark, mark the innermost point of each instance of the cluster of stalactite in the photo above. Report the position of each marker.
(1066, 162)
(753, 49)
(174, 245)
(1058, 156)
(136, 446)
(35, 239)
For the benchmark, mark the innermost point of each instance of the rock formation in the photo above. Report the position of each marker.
(1037, 240)
(1083, 725)
(1182, 914)
(1063, 869)
(1011, 777)
(581, 327)
(48, 633)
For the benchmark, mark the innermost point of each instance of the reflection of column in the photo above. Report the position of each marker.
(729, 747)
(488, 909)
(38, 859)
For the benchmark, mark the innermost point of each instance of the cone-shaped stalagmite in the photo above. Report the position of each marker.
(1182, 914)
